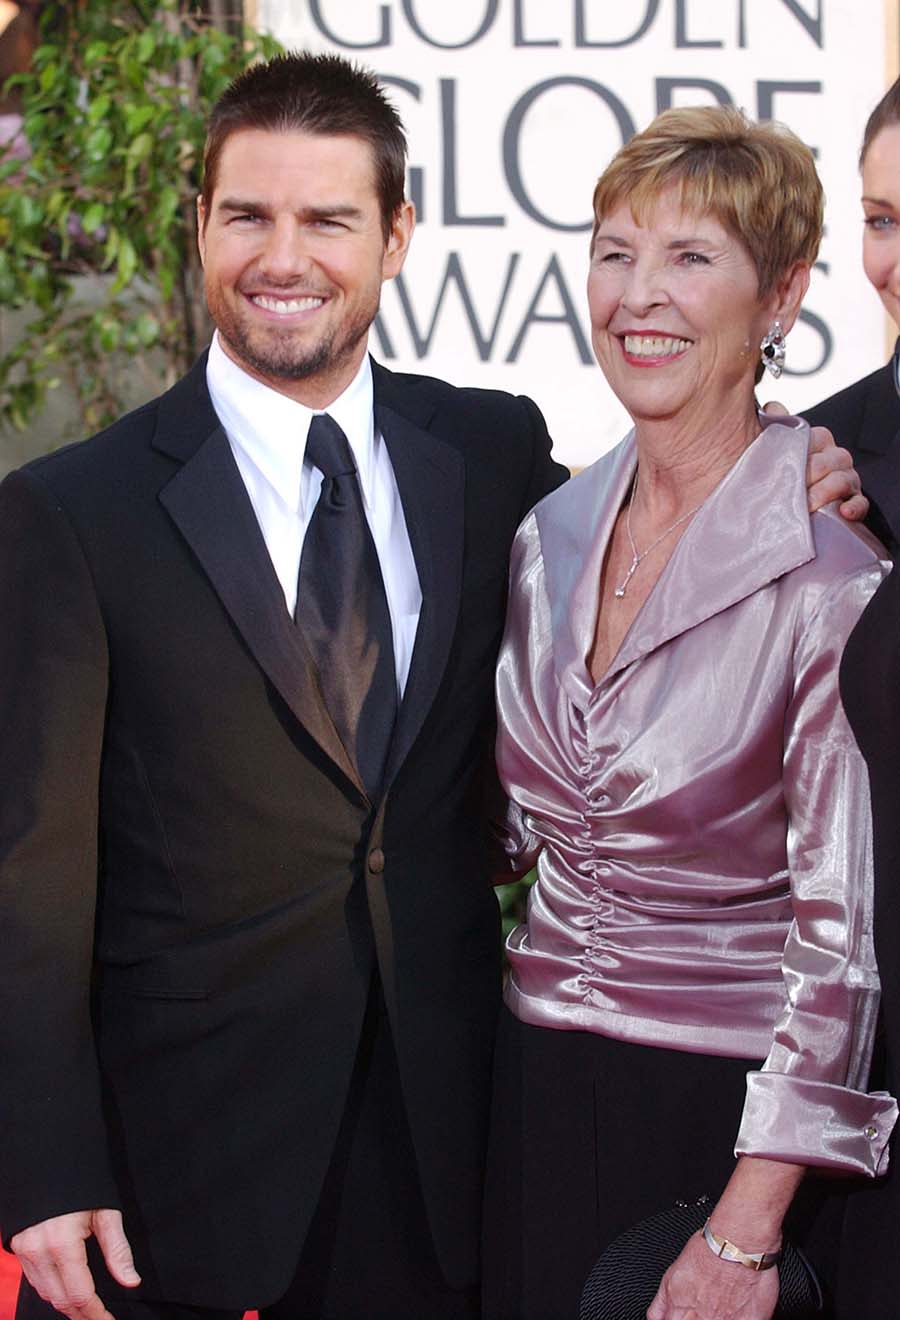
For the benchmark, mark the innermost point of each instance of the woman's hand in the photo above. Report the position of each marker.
(749, 1213)
(698, 1286)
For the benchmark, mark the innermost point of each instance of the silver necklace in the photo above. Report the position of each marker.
(638, 558)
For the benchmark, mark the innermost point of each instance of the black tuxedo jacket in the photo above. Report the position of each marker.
(865, 418)
(870, 689)
(194, 887)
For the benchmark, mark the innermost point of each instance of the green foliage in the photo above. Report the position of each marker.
(114, 112)
(513, 899)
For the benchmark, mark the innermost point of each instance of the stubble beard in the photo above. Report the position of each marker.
(277, 356)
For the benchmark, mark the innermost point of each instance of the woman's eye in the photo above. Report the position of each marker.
(880, 223)
(694, 259)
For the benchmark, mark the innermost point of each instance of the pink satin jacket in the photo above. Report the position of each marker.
(700, 818)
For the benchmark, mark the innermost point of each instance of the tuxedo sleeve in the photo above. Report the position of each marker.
(546, 474)
(53, 690)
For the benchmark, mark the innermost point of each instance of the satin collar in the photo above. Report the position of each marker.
(754, 527)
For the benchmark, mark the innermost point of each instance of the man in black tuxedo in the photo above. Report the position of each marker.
(224, 917)
(247, 637)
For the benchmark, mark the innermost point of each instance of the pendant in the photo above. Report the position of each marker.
(623, 585)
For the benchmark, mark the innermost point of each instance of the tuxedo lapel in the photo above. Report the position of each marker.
(208, 502)
(431, 480)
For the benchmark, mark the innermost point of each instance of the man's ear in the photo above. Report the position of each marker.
(397, 246)
(201, 228)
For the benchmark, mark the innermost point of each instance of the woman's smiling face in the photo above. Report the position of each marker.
(676, 317)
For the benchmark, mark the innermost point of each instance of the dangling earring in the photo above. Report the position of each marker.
(771, 350)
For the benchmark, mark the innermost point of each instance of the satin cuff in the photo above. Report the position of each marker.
(816, 1123)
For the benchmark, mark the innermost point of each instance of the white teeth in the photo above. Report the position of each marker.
(285, 306)
(655, 346)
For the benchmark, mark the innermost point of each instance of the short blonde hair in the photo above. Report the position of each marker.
(758, 180)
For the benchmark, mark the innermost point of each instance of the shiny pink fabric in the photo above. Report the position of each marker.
(700, 818)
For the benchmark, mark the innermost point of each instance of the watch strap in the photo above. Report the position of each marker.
(725, 1250)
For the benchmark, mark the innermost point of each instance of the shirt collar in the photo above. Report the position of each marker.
(271, 429)
(750, 530)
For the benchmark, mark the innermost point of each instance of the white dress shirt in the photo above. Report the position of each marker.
(267, 432)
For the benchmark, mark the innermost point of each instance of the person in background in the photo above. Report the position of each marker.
(869, 414)
(19, 36)
(866, 415)
(695, 977)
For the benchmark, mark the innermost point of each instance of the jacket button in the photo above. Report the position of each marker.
(376, 861)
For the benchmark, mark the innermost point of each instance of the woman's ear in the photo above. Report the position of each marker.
(789, 294)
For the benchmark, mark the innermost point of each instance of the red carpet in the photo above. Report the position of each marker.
(9, 1286)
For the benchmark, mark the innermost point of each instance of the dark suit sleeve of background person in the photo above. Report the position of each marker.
(865, 418)
(53, 676)
(869, 1273)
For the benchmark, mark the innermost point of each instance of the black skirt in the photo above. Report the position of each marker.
(590, 1135)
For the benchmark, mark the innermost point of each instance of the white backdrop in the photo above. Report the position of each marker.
(513, 108)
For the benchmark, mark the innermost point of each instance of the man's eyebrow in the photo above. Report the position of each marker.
(244, 206)
(342, 210)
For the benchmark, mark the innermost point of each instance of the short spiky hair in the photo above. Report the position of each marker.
(758, 180)
(885, 115)
(323, 94)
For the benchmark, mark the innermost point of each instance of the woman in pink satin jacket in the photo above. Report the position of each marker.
(695, 981)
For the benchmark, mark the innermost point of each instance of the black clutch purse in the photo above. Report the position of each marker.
(624, 1280)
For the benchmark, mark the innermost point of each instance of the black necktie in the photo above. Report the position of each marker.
(342, 609)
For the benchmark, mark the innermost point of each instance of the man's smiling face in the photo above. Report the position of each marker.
(294, 256)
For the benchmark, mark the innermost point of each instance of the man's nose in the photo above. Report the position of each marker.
(285, 255)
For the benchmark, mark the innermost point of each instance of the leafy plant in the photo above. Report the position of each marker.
(114, 110)
(513, 900)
